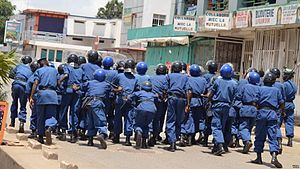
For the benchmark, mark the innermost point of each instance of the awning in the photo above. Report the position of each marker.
(182, 40)
(60, 45)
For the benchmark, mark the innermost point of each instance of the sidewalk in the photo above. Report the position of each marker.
(296, 131)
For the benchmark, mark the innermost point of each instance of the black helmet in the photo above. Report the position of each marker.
(26, 59)
(269, 79)
(34, 66)
(176, 67)
(99, 61)
(261, 73)
(72, 58)
(120, 65)
(161, 69)
(147, 86)
(212, 67)
(92, 56)
(288, 74)
(81, 60)
(184, 66)
(129, 65)
(276, 72)
(251, 69)
(60, 69)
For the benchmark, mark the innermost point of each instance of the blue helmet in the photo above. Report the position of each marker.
(146, 85)
(226, 71)
(195, 70)
(108, 61)
(141, 68)
(254, 78)
(99, 75)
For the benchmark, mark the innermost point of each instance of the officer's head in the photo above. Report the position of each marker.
(99, 61)
(288, 74)
(129, 66)
(161, 69)
(72, 59)
(251, 69)
(276, 72)
(195, 70)
(81, 60)
(184, 67)
(269, 79)
(120, 66)
(34, 66)
(60, 69)
(147, 86)
(261, 73)
(141, 68)
(92, 56)
(226, 71)
(99, 75)
(43, 62)
(212, 67)
(26, 59)
(253, 78)
(108, 62)
(176, 67)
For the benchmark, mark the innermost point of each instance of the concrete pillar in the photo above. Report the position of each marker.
(180, 7)
(201, 7)
(280, 2)
(234, 5)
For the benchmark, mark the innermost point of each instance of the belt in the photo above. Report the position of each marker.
(249, 103)
(47, 88)
(177, 95)
(196, 96)
(21, 79)
(101, 98)
(268, 108)
(145, 100)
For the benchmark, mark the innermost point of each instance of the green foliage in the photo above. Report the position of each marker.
(7, 62)
(6, 10)
(112, 10)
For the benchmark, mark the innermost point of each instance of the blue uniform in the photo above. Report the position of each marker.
(290, 90)
(145, 111)
(279, 86)
(159, 87)
(196, 122)
(248, 95)
(266, 120)
(96, 117)
(88, 70)
(70, 98)
(22, 74)
(46, 98)
(224, 91)
(176, 105)
(123, 108)
(141, 79)
(33, 117)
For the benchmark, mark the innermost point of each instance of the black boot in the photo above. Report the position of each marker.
(258, 159)
(111, 135)
(237, 142)
(204, 143)
(127, 142)
(290, 142)
(190, 140)
(280, 145)
(33, 135)
(63, 135)
(275, 161)
(165, 141)
(219, 150)
(12, 123)
(182, 141)
(152, 140)
(73, 138)
(82, 135)
(21, 127)
(90, 141)
(138, 139)
(247, 147)
(144, 143)
(116, 139)
(172, 147)
(103, 144)
(48, 136)
(41, 139)
(225, 148)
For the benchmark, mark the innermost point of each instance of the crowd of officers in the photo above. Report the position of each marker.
(103, 99)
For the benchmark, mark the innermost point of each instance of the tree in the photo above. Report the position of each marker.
(6, 10)
(112, 10)
(7, 61)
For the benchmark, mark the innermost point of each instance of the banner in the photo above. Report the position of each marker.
(184, 24)
(241, 19)
(12, 32)
(289, 14)
(217, 20)
(127, 16)
(3, 116)
(265, 16)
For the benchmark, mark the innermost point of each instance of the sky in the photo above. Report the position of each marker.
(74, 7)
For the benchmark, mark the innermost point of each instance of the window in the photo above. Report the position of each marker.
(59, 55)
(158, 20)
(44, 53)
(251, 3)
(101, 41)
(218, 5)
(51, 55)
(99, 29)
(77, 39)
(79, 27)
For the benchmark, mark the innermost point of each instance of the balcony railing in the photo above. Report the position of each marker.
(44, 36)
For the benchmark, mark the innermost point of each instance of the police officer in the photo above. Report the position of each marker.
(119, 66)
(46, 101)
(177, 104)
(111, 76)
(145, 110)
(21, 73)
(196, 87)
(184, 68)
(159, 87)
(248, 96)
(141, 69)
(290, 90)
(127, 84)
(221, 94)
(96, 91)
(90, 67)
(81, 60)
(279, 86)
(270, 100)
(33, 118)
(60, 91)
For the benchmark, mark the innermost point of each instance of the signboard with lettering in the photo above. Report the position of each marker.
(12, 32)
(266, 16)
(241, 19)
(289, 14)
(217, 20)
(3, 115)
(184, 24)
(127, 16)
